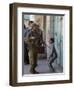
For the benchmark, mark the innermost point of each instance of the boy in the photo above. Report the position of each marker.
(53, 54)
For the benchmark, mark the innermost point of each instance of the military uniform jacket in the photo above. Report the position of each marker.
(33, 39)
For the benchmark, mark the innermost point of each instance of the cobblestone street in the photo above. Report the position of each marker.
(43, 67)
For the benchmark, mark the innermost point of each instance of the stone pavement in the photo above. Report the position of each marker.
(43, 67)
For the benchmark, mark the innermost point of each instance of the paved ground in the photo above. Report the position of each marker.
(43, 67)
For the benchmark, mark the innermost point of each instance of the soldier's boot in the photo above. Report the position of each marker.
(32, 69)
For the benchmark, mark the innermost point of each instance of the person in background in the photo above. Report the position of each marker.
(26, 31)
(33, 38)
(26, 57)
(53, 54)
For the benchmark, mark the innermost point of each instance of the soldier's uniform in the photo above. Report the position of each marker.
(33, 39)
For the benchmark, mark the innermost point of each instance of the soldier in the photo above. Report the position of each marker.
(33, 38)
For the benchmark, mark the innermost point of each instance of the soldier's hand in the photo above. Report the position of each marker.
(32, 37)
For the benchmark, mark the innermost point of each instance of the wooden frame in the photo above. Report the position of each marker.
(13, 43)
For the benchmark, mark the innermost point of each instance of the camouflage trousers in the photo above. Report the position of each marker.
(32, 59)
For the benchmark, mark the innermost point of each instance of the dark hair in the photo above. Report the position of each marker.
(30, 22)
(24, 26)
(52, 39)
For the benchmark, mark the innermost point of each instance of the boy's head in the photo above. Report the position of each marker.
(51, 40)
